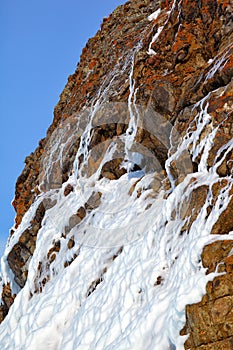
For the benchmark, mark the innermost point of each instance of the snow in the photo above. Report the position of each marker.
(155, 37)
(126, 310)
(154, 15)
(134, 268)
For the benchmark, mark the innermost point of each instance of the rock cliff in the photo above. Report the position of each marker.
(147, 116)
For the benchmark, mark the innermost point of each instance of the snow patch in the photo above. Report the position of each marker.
(154, 15)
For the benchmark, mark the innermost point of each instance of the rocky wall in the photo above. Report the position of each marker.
(171, 75)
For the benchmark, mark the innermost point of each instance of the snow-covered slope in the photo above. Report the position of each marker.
(118, 252)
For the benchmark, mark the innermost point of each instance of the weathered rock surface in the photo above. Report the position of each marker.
(191, 60)
(210, 322)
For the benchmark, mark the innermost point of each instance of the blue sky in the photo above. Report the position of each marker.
(41, 42)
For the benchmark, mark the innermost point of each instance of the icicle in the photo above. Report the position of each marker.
(193, 142)
(218, 66)
(86, 136)
(134, 115)
(226, 149)
(155, 37)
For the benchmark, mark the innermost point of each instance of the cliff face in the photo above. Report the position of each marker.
(139, 154)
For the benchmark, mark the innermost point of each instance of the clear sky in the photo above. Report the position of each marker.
(41, 42)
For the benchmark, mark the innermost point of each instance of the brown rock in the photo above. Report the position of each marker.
(216, 253)
(7, 300)
(94, 201)
(81, 213)
(211, 320)
(71, 243)
(112, 170)
(69, 188)
(224, 223)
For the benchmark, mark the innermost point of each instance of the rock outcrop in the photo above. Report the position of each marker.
(178, 64)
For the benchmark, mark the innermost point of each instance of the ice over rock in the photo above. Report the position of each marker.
(123, 236)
